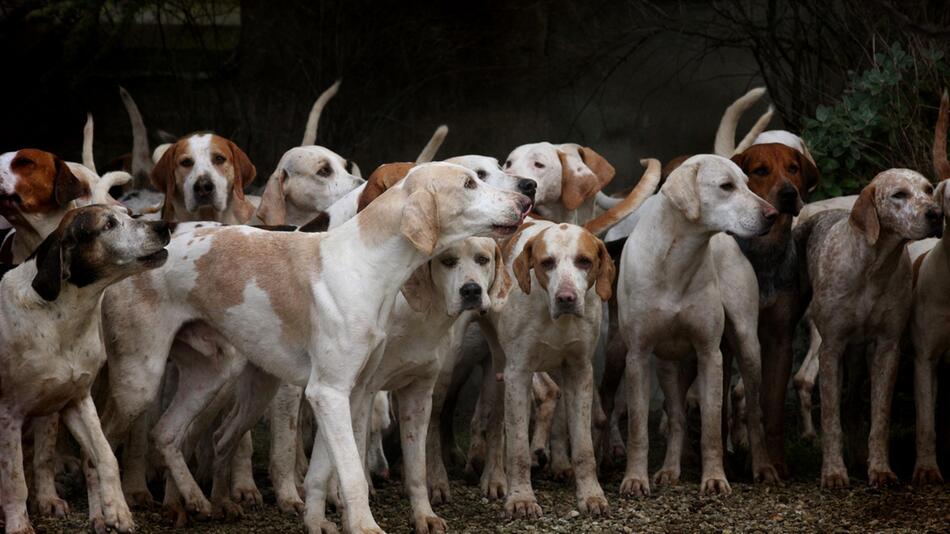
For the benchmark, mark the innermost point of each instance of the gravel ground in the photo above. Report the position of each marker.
(796, 506)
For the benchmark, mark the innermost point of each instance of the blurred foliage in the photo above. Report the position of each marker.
(883, 119)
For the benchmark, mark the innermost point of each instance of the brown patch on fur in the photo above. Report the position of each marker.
(576, 188)
(672, 165)
(44, 183)
(265, 258)
(864, 215)
(510, 243)
(602, 273)
(534, 251)
(384, 177)
(772, 165)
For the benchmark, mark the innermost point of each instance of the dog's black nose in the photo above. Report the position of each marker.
(470, 291)
(161, 227)
(933, 216)
(565, 297)
(204, 187)
(527, 187)
(787, 193)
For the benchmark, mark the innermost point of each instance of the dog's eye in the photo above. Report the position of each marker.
(761, 171)
(110, 224)
(900, 195)
(325, 171)
(508, 164)
(187, 162)
(728, 186)
(583, 262)
(219, 159)
(929, 190)
(538, 165)
(481, 173)
(481, 260)
(449, 261)
(793, 169)
(548, 263)
(470, 183)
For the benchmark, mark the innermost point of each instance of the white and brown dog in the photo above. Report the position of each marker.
(52, 351)
(324, 322)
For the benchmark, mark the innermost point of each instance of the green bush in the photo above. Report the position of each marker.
(884, 118)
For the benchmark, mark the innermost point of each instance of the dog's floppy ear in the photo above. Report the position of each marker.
(384, 177)
(681, 188)
(580, 184)
(420, 221)
(522, 266)
(66, 187)
(52, 265)
(809, 172)
(272, 209)
(501, 282)
(244, 174)
(419, 289)
(605, 272)
(864, 215)
(940, 196)
(163, 179)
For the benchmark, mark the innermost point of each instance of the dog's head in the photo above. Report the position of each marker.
(491, 173)
(204, 172)
(781, 175)
(713, 192)
(36, 188)
(899, 201)
(308, 180)
(567, 261)
(568, 174)
(469, 275)
(445, 203)
(98, 244)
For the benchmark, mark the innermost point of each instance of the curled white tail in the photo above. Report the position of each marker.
(310, 132)
(87, 134)
(726, 134)
(432, 147)
(141, 158)
(757, 129)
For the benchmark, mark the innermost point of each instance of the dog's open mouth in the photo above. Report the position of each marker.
(504, 230)
(154, 259)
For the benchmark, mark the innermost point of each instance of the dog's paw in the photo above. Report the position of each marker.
(141, 499)
(51, 506)
(430, 524)
(766, 474)
(227, 510)
(247, 495)
(439, 493)
(714, 485)
(120, 520)
(834, 478)
(667, 476)
(494, 486)
(539, 458)
(927, 474)
(176, 515)
(324, 527)
(562, 473)
(291, 505)
(592, 505)
(880, 478)
(20, 525)
(522, 507)
(635, 487)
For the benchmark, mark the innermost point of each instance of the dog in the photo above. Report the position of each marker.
(678, 283)
(571, 274)
(861, 279)
(52, 350)
(372, 255)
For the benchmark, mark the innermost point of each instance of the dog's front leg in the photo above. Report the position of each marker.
(494, 483)
(883, 367)
(750, 368)
(805, 380)
(579, 391)
(635, 479)
(521, 502)
(710, 401)
(284, 426)
(668, 373)
(47, 500)
(926, 470)
(83, 423)
(415, 407)
(834, 474)
(331, 406)
(12, 479)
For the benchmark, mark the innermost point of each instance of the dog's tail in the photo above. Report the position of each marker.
(100, 192)
(726, 134)
(645, 187)
(87, 134)
(757, 128)
(310, 132)
(141, 158)
(606, 202)
(941, 164)
(432, 147)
